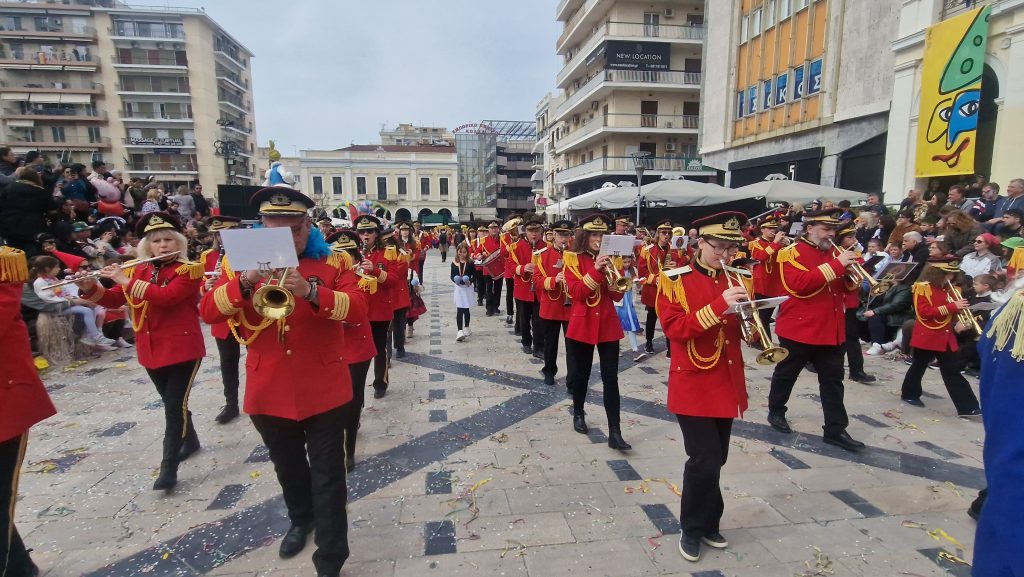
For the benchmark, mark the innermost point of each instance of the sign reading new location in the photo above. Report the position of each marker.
(623, 55)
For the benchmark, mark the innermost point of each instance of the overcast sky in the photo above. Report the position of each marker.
(327, 73)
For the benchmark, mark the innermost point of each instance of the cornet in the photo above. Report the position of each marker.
(855, 271)
(272, 301)
(964, 316)
(750, 323)
(616, 281)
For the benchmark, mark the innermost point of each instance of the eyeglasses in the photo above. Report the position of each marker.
(979, 242)
(730, 249)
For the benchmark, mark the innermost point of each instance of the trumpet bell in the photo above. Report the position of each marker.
(273, 302)
(772, 355)
(616, 281)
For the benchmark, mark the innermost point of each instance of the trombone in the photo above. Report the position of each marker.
(856, 272)
(97, 274)
(964, 316)
(750, 322)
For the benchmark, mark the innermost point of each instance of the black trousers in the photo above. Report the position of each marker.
(462, 318)
(380, 362)
(706, 440)
(444, 252)
(510, 300)
(419, 268)
(854, 356)
(494, 293)
(480, 284)
(579, 375)
(529, 321)
(397, 329)
(828, 361)
(358, 373)
(309, 459)
(949, 367)
(652, 320)
(551, 330)
(766, 318)
(174, 383)
(230, 352)
(14, 557)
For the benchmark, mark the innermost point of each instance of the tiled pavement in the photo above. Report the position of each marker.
(470, 467)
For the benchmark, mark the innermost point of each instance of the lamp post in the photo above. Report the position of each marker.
(640, 163)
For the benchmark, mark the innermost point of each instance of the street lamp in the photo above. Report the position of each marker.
(641, 162)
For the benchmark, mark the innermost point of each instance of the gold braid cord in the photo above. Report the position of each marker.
(1008, 327)
(675, 293)
(13, 265)
(923, 289)
(788, 256)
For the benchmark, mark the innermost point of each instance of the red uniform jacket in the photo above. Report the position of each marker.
(307, 374)
(814, 280)
(521, 254)
(766, 281)
(649, 269)
(554, 301)
(162, 308)
(705, 377)
(490, 245)
(506, 255)
(25, 400)
(209, 260)
(382, 306)
(936, 316)
(593, 318)
(400, 287)
(359, 345)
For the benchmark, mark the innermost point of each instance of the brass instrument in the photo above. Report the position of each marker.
(616, 281)
(96, 274)
(750, 323)
(964, 316)
(272, 301)
(883, 285)
(856, 272)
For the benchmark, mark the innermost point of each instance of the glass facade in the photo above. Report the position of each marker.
(478, 178)
(495, 164)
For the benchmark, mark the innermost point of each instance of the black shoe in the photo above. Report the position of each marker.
(489, 314)
(549, 380)
(689, 548)
(191, 443)
(379, 392)
(650, 347)
(538, 355)
(517, 332)
(615, 440)
(971, 413)
(579, 424)
(779, 423)
(715, 540)
(844, 441)
(168, 476)
(862, 377)
(915, 402)
(528, 349)
(508, 319)
(294, 541)
(227, 414)
(400, 353)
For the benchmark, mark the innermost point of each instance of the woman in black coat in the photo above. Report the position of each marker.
(23, 208)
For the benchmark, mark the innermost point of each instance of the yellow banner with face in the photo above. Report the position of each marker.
(954, 57)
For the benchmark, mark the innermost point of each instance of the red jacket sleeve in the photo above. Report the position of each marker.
(805, 282)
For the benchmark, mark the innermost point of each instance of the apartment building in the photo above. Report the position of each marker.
(412, 135)
(800, 88)
(496, 168)
(631, 83)
(150, 90)
(405, 182)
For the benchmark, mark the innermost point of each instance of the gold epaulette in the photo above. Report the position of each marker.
(193, 270)
(13, 265)
(571, 260)
(206, 253)
(672, 288)
(391, 253)
(923, 289)
(340, 260)
(1007, 328)
(789, 255)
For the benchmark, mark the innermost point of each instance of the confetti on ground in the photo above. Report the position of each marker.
(55, 511)
(502, 438)
(255, 475)
(654, 543)
(939, 534)
(822, 565)
(514, 547)
(952, 558)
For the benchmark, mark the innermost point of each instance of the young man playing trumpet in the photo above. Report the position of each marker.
(521, 257)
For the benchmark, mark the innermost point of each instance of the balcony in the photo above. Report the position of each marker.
(572, 25)
(243, 130)
(48, 61)
(518, 183)
(623, 166)
(231, 58)
(164, 168)
(50, 34)
(233, 80)
(954, 8)
(607, 80)
(137, 88)
(150, 116)
(628, 31)
(54, 88)
(627, 124)
(159, 142)
(84, 143)
(54, 113)
(157, 63)
(127, 31)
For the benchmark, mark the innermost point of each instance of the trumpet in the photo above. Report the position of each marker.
(616, 281)
(964, 316)
(272, 301)
(97, 274)
(750, 323)
(856, 272)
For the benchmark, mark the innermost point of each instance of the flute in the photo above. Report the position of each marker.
(97, 274)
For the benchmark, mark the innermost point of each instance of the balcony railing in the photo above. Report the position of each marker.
(181, 88)
(570, 24)
(624, 165)
(157, 166)
(92, 87)
(640, 121)
(50, 59)
(169, 142)
(51, 31)
(677, 77)
(232, 77)
(96, 142)
(148, 60)
(136, 115)
(629, 30)
(953, 8)
(129, 32)
(68, 113)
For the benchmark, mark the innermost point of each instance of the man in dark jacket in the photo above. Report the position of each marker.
(23, 207)
(914, 250)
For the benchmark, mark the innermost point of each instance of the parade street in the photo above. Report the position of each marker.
(470, 466)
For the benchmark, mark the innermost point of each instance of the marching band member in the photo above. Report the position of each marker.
(476, 254)
(622, 225)
(811, 325)
(228, 348)
(847, 240)
(653, 260)
(554, 302)
(593, 323)
(491, 244)
(509, 238)
(521, 255)
(934, 336)
(406, 258)
(161, 297)
(706, 387)
(423, 240)
(297, 377)
(358, 341)
(384, 270)
(25, 403)
(763, 250)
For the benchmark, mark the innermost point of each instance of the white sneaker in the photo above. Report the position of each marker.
(105, 341)
(461, 336)
(889, 347)
(466, 332)
(86, 340)
(123, 344)
(874, 349)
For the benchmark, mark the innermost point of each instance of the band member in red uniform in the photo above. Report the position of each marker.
(25, 403)
(847, 240)
(934, 336)
(766, 284)
(228, 348)
(358, 341)
(161, 297)
(297, 378)
(553, 299)
(524, 269)
(424, 240)
(811, 324)
(405, 257)
(706, 386)
(476, 254)
(509, 238)
(655, 258)
(593, 323)
(382, 308)
(489, 245)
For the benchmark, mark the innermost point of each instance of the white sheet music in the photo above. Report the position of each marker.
(251, 248)
(617, 244)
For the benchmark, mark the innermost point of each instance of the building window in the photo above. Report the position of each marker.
(798, 82)
(769, 14)
(752, 100)
(814, 77)
(739, 103)
(382, 188)
(800, 5)
(784, 9)
(443, 186)
(94, 134)
(336, 185)
(424, 188)
(744, 25)
(766, 94)
(781, 94)
(403, 188)
(318, 185)
(58, 133)
(755, 22)
(361, 186)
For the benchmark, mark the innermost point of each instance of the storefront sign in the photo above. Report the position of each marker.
(156, 141)
(621, 55)
(166, 151)
(474, 128)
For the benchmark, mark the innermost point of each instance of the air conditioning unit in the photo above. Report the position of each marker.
(670, 13)
(670, 147)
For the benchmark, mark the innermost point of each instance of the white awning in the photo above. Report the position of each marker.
(21, 123)
(67, 98)
(14, 96)
(49, 98)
